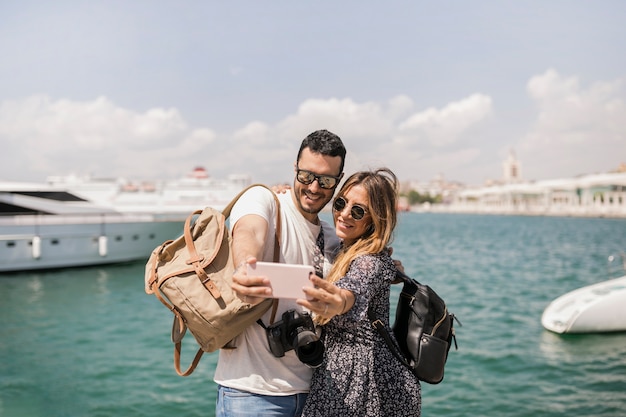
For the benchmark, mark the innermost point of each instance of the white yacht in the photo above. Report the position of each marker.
(44, 227)
(76, 221)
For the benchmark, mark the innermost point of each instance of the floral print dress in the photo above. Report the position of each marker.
(359, 375)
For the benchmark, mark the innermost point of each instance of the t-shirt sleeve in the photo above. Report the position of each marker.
(257, 200)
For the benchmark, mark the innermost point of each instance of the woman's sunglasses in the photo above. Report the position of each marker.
(325, 181)
(356, 211)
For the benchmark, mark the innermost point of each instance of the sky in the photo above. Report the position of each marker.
(151, 89)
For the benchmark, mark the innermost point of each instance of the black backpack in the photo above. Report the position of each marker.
(423, 329)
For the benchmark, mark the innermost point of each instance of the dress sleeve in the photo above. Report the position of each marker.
(365, 277)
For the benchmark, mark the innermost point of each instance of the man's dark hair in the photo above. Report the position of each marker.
(325, 143)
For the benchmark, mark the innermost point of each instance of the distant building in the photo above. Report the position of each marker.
(512, 170)
(594, 195)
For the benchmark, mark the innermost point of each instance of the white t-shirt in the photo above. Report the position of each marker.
(251, 366)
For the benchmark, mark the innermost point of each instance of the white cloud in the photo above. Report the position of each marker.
(577, 127)
(576, 130)
(153, 126)
(102, 138)
(47, 136)
(444, 126)
(399, 107)
(90, 125)
(377, 135)
(344, 116)
(254, 133)
(439, 163)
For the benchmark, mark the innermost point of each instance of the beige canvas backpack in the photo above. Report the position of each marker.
(192, 277)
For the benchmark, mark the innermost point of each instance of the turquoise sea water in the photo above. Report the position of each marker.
(90, 342)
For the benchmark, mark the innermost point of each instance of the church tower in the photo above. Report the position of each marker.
(512, 169)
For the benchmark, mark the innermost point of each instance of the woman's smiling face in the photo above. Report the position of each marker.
(347, 228)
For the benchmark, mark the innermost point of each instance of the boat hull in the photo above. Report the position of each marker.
(595, 308)
(45, 242)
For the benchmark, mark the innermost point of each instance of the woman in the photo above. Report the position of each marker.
(359, 375)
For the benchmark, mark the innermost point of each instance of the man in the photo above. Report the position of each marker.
(251, 380)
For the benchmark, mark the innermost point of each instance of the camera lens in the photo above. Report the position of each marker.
(296, 331)
(309, 349)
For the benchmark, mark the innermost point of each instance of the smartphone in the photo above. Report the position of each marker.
(286, 280)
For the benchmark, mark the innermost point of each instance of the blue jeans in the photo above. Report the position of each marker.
(234, 403)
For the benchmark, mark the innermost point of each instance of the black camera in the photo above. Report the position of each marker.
(296, 331)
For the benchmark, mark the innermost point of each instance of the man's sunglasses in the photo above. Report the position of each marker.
(325, 181)
(356, 211)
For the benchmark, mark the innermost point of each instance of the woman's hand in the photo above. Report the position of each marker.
(326, 299)
(398, 264)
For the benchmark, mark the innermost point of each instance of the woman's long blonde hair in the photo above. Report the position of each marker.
(381, 186)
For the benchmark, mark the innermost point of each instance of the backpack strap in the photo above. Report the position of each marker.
(382, 330)
(195, 259)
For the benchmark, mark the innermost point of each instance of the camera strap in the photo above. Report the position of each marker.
(273, 316)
